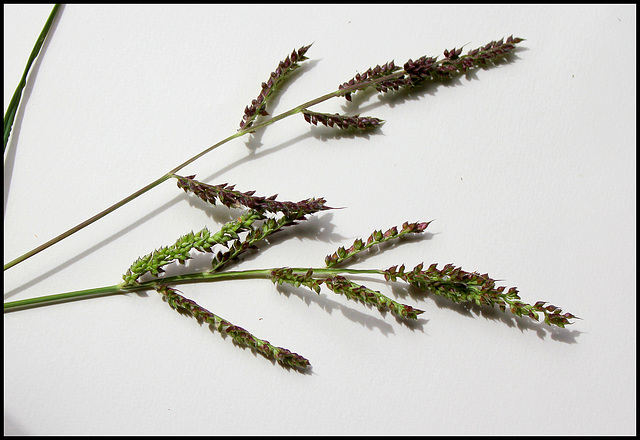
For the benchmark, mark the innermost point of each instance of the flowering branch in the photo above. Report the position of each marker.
(263, 216)
(415, 72)
(383, 78)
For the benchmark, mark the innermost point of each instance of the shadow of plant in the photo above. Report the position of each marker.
(364, 319)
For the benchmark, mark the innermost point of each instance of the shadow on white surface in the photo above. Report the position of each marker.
(11, 427)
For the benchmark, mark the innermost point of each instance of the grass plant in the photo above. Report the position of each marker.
(263, 216)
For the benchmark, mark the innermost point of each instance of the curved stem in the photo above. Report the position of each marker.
(178, 279)
(169, 174)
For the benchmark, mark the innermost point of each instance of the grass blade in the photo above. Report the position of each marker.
(10, 114)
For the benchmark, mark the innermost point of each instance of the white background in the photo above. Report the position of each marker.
(528, 169)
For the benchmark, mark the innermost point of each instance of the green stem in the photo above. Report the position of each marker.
(169, 174)
(10, 114)
(86, 222)
(178, 279)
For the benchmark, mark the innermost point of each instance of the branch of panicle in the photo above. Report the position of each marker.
(239, 335)
(238, 246)
(342, 286)
(376, 237)
(258, 105)
(453, 62)
(460, 286)
(341, 121)
(232, 198)
(423, 68)
(202, 241)
(375, 73)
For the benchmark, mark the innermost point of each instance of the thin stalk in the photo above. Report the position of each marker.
(178, 279)
(169, 174)
(10, 114)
